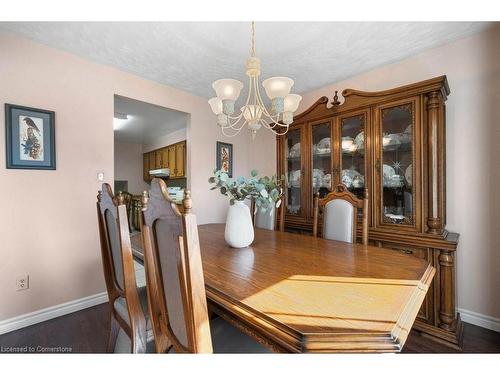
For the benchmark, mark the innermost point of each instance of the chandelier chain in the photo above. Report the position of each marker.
(252, 51)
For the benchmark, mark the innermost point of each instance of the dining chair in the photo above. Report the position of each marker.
(127, 200)
(268, 219)
(339, 213)
(128, 304)
(175, 282)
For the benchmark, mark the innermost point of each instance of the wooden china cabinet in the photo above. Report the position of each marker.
(393, 143)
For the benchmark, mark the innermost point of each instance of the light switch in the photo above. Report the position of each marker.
(100, 176)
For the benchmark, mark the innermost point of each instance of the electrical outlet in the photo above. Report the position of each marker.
(23, 283)
(100, 176)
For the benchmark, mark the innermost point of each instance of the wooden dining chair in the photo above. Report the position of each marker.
(275, 218)
(339, 214)
(126, 198)
(128, 304)
(175, 281)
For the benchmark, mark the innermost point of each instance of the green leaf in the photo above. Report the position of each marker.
(254, 173)
(224, 177)
(241, 180)
(264, 193)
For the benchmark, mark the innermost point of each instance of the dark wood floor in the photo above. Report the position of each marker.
(86, 332)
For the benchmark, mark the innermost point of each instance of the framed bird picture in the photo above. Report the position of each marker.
(30, 138)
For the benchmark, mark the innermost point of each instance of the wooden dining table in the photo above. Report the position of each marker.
(296, 293)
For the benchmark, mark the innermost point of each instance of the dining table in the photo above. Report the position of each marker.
(296, 293)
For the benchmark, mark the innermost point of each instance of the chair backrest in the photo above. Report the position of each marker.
(126, 198)
(268, 219)
(339, 211)
(174, 274)
(117, 259)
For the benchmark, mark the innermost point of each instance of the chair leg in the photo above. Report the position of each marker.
(113, 334)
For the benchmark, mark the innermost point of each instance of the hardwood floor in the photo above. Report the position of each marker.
(85, 331)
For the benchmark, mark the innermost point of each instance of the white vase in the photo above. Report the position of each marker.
(239, 229)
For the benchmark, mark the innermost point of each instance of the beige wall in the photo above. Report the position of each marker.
(473, 161)
(129, 167)
(49, 226)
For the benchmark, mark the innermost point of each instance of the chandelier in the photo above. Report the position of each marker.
(254, 113)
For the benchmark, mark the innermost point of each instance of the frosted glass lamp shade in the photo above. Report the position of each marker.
(277, 87)
(216, 105)
(227, 89)
(292, 102)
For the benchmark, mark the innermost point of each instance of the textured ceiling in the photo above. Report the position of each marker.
(146, 122)
(190, 56)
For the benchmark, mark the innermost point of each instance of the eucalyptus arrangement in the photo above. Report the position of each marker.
(266, 191)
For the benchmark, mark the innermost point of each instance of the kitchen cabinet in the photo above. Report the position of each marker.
(164, 158)
(172, 157)
(145, 170)
(180, 158)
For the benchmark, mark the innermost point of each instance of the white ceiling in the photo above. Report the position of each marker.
(190, 56)
(146, 122)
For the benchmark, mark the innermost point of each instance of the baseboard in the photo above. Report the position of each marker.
(480, 320)
(52, 312)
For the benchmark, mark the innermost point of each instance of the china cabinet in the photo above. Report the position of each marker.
(391, 142)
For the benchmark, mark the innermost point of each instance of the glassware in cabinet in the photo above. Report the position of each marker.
(321, 156)
(293, 171)
(353, 153)
(396, 162)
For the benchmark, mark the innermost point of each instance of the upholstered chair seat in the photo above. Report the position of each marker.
(265, 219)
(128, 304)
(268, 219)
(338, 219)
(339, 212)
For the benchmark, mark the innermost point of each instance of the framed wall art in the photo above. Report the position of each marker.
(29, 138)
(224, 153)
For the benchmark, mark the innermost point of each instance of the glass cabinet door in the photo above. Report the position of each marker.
(352, 148)
(294, 171)
(396, 164)
(321, 154)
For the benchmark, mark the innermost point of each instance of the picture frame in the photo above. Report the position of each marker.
(29, 138)
(224, 152)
